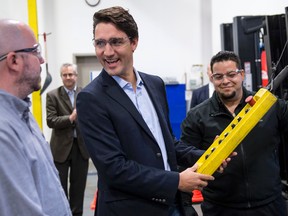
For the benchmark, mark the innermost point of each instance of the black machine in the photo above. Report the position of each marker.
(249, 37)
(276, 46)
(226, 30)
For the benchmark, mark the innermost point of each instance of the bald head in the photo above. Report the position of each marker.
(20, 68)
(15, 35)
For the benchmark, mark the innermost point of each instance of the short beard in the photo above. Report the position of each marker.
(29, 82)
(227, 97)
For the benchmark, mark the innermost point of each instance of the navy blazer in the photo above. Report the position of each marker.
(131, 176)
(199, 95)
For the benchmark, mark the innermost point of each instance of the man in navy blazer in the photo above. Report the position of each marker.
(199, 95)
(202, 93)
(123, 116)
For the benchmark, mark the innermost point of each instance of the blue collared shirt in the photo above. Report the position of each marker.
(72, 96)
(144, 105)
(29, 181)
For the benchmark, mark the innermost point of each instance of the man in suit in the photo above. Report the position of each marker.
(69, 152)
(123, 116)
(202, 93)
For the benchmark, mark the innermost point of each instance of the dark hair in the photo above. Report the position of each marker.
(225, 56)
(120, 18)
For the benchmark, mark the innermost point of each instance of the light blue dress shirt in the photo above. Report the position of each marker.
(29, 182)
(72, 94)
(144, 105)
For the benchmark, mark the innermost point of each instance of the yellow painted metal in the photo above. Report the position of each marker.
(36, 97)
(235, 132)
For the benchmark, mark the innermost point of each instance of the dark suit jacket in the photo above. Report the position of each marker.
(59, 107)
(131, 176)
(199, 95)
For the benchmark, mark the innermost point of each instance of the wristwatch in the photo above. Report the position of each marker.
(92, 3)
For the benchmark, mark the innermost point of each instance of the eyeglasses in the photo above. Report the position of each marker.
(229, 75)
(68, 75)
(36, 49)
(113, 42)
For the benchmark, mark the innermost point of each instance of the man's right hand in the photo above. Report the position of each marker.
(73, 116)
(189, 180)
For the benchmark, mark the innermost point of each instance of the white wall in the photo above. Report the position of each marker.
(174, 35)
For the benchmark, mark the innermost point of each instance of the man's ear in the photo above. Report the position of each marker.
(13, 61)
(11, 58)
(134, 44)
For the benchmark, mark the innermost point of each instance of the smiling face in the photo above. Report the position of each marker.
(116, 60)
(228, 88)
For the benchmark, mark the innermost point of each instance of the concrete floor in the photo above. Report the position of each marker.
(91, 186)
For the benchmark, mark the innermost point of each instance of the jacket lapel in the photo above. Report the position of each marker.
(65, 98)
(155, 98)
(115, 92)
(164, 122)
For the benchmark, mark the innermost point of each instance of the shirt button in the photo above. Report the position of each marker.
(158, 154)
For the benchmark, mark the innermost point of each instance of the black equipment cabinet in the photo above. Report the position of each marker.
(226, 30)
(246, 44)
(277, 55)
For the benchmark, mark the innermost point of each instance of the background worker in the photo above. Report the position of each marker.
(29, 180)
(70, 155)
(204, 92)
(251, 184)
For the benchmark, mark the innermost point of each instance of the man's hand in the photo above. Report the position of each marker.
(189, 180)
(225, 162)
(73, 116)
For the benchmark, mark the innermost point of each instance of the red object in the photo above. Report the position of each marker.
(197, 196)
(250, 100)
(93, 203)
(264, 70)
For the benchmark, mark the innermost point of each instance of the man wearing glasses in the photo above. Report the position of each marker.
(69, 153)
(123, 115)
(251, 184)
(29, 180)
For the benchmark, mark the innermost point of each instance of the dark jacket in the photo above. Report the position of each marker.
(131, 176)
(199, 95)
(59, 107)
(252, 177)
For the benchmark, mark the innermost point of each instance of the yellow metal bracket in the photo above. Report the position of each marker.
(235, 132)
